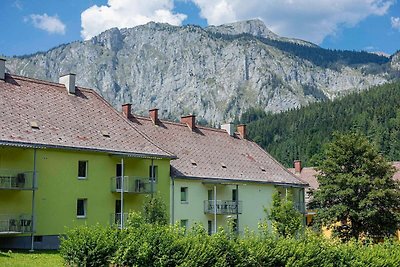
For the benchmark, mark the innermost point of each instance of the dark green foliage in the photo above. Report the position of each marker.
(89, 246)
(286, 220)
(356, 189)
(154, 210)
(302, 133)
(163, 245)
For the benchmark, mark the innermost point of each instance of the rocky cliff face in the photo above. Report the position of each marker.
(188, 69)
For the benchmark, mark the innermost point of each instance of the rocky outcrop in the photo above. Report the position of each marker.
(187, 69)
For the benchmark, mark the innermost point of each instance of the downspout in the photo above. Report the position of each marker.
(122, 193)
(215, 209)
(152, 178)
(237, 209)
(33, 217)
(173, 201)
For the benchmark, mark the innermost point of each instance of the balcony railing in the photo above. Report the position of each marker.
(300, 206)
(137, 185)
(16, 180)
(15, 223)
(222, 207)
(115, 219)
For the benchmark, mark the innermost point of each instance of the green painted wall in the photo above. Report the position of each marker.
(254, 196)
(59, 186)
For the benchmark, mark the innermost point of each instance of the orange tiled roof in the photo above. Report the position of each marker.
(209, 153)
(39, 113)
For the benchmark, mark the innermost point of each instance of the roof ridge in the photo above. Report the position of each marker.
(128, 122)
(181, 124)
(51, 83)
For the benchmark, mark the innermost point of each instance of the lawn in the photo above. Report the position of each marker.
(26, 258)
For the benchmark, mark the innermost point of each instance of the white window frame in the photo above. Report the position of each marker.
(86, 169)
(84, 208)
(186, 193)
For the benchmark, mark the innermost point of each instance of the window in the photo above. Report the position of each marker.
(234, 195)
(153, 173)
(81, 208)
(38, 238)
(210, 194)
(184, 194)
(82, 169)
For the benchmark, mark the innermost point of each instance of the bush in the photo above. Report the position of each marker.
(89, 246)
(145, 244)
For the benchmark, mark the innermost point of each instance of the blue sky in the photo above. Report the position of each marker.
(29, 26)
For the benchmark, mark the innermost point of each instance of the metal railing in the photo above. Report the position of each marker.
(115, 219)
(132, 184)
(15, 223)
(300, 206)
(16, 179)
(222, 207)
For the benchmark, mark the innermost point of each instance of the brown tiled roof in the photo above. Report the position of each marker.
(39, 113)
(307, 175)
(209, 153)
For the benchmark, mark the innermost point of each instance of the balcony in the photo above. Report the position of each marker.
(136, 185)
(15, 224)
(223, 207)
(16, 180)
(115, 219)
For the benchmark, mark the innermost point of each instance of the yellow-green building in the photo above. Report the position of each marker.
(218, 173)
(65, 156)
(68, 158)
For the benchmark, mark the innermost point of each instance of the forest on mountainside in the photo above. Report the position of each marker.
(302, 133)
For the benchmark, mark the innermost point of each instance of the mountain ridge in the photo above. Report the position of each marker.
(210, 72)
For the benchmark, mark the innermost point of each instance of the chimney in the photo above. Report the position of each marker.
(2, 69)
(126, 110)
(241, 128)
(154, 115)
(190, 120)
(229, 128)
(297, 166)
(69, 81)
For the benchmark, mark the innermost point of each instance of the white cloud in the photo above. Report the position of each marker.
(50, 24)
(305, 19)
(395, 23)
(127, 13)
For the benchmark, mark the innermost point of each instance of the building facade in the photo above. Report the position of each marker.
(65, 156)
(218, 174)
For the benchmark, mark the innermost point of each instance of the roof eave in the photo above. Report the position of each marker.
(216, 180)
(101, 150)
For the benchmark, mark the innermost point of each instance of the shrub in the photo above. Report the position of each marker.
(89, 246)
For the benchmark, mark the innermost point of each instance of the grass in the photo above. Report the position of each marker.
(26, 258)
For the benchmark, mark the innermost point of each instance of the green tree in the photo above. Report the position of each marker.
(356, 189)
(154, 210)
(286, 220)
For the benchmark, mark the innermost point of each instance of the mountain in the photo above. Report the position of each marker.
(302, 133)
(216, 72)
